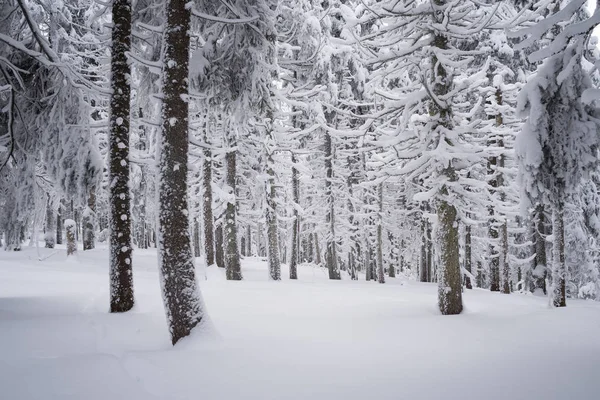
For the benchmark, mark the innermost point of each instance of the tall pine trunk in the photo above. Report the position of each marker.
(380, 274)
(559, 270)
(219, 247)
(121, 277)
(89, 221)
(296, 223)
(207, 213)
(232, 255)
(330, 250)
(540, 269)
(468, 256)
(272, 224)
(49, 236)
(181, 295)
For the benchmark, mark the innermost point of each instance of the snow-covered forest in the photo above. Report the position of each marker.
(442, 149)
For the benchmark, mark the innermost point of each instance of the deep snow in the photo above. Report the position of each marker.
(306, 339)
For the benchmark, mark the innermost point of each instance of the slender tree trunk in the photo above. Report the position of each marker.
(423, 258)
(197, 252)
(272, 224)
(89, 221)
(380, 274)
(540, 269)
(249, 241)
(331, 251)
(59, 226)
(207, 213)
(121, 277)
(559, 270)
(232, 255)
(504, 265)
(50, 233)
(468, 256)
(181, 295)
(430, 268)
(219, 247)
(296, 223)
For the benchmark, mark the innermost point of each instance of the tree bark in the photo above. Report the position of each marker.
(49, 236)
(89, 221)
(232, 255)
(380, 274)
(207, 213)
(70, 228)
(272, 224)
(121, 277)
(468, 256)
(559, 270)
(181, 295)
(296, 223)
(540, 269)
(330, 251)
(219, 248)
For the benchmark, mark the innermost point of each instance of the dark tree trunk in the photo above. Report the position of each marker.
(540, 269)
(121, 278)
(272, 224)
(330, 250)
(380, 274)
(559, 270)
(59, 226)
(423, 258)
(219, 248)
(181, 295)
(207, 213)
(197, 252)
(468, 256)
(296, 223)
(232, 255)
(449, 289)
(89, 221)
(50, 233)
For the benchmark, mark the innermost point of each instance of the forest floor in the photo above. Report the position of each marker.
(308, 339)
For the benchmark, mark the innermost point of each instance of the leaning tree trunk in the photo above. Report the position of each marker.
(271, 219)
(296, 223)
(559, 270)
(181, 295)
(50, 233)
(380, 274)
(330, 251)
(121, 278)
(232, 254)
(207, 213)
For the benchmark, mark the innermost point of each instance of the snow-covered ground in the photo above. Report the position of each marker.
(307, 339)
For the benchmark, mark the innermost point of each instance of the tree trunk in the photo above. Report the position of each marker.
(272, 224)
(430, 268)
(232, 255)
(468, 256)
(540, 269)
(380, 274)
(59, 226)
(296, 223)
(50, 232)
(197, 252)
(121, 278)
(207, 213)
(219, 248)
(504, 265)
(89, 221)
(317, 249)
(449, 282)
(331, 251)
(423, 258)
(181, 295)
(559, 270)
(70, 228)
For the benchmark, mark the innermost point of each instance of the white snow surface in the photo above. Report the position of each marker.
(306, 339)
